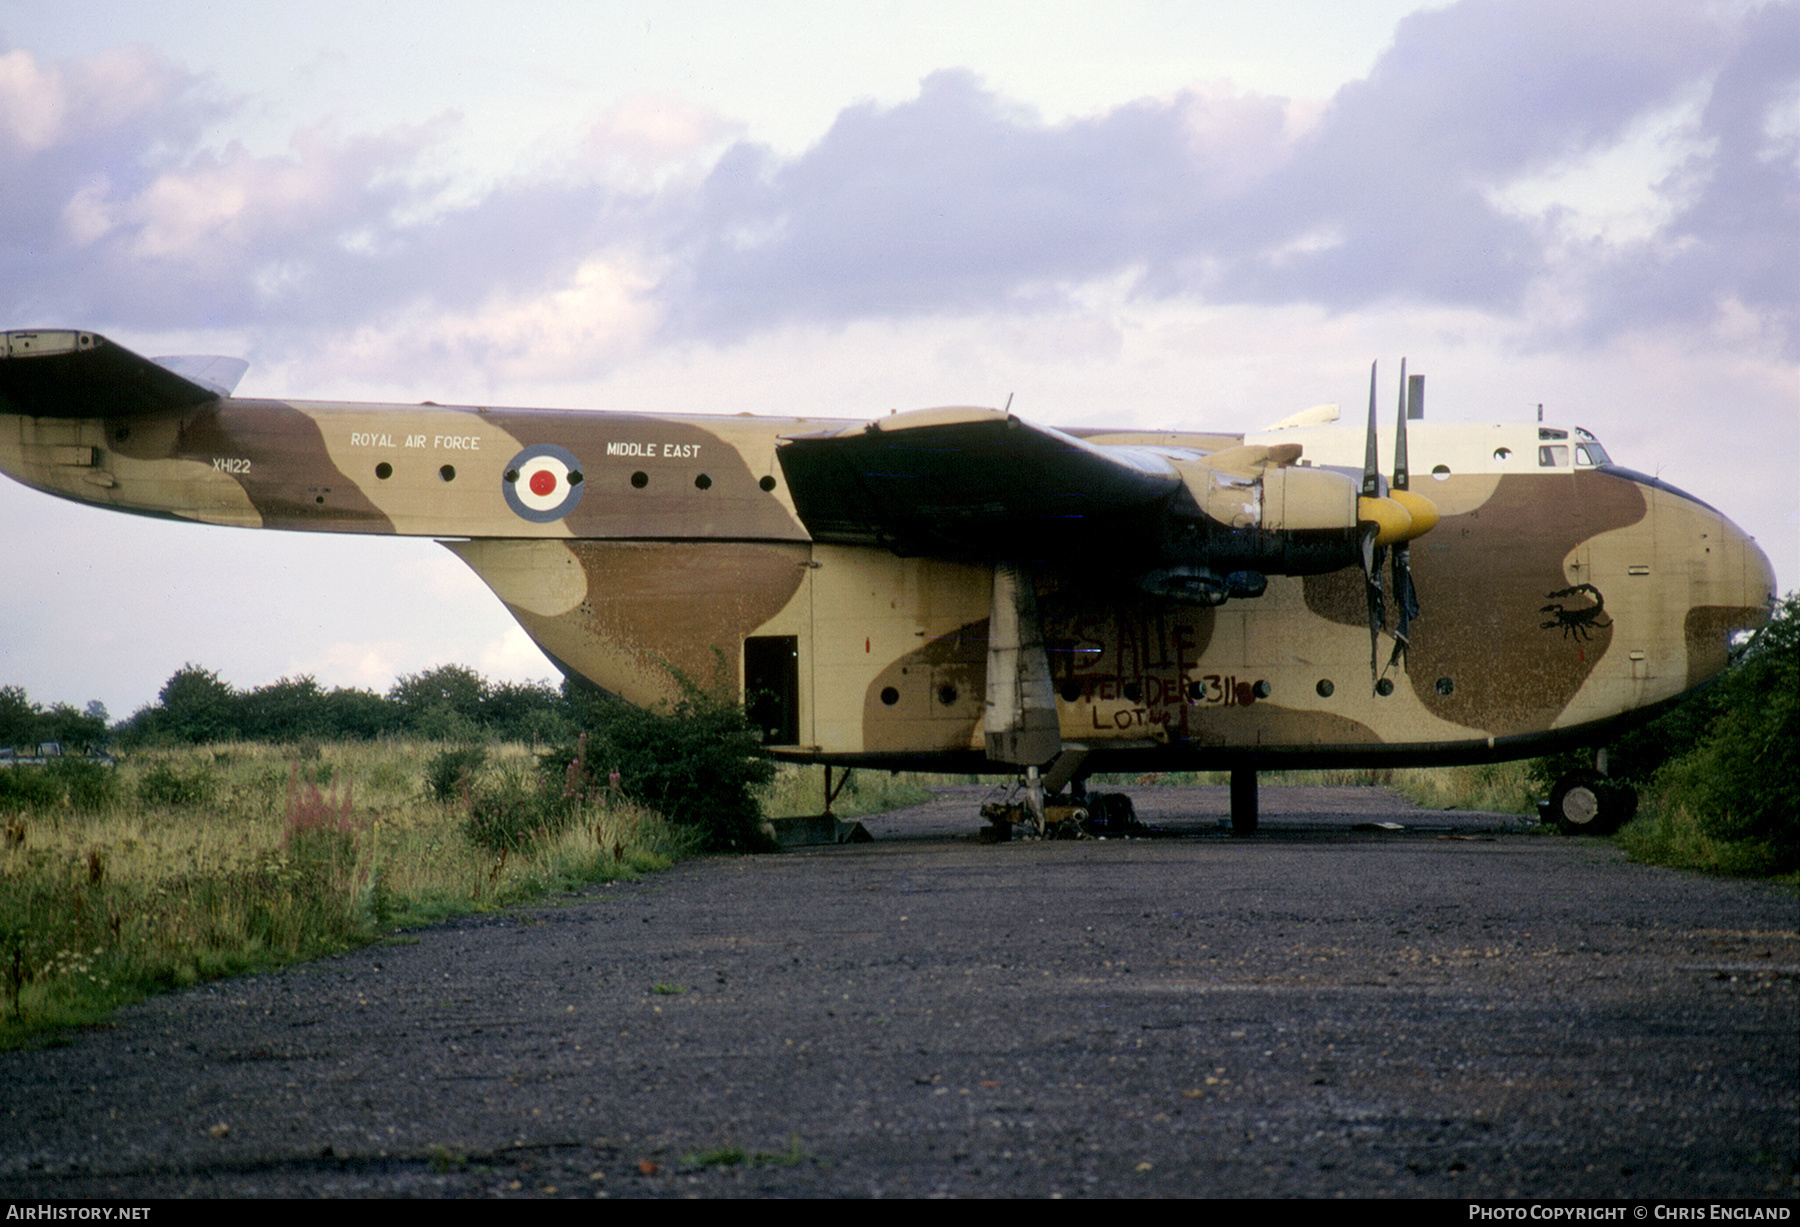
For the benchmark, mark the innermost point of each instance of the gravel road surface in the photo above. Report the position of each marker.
(1459, 1009)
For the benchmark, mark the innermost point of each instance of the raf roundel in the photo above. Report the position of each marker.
(542, 483)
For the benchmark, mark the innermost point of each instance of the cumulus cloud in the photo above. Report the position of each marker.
(646, 139)
(1729, 252)
(665, 224)
(1388, 194)
(119, 211)
(955, 201)
(43, 106)
(599, 315)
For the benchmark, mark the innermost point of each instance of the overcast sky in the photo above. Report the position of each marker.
(1198, 215)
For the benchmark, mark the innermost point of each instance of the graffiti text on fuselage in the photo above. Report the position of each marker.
(1145, 660)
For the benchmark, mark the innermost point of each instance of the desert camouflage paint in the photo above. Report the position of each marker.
(1557, 596)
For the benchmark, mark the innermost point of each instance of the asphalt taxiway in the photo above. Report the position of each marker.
(1460, 1008)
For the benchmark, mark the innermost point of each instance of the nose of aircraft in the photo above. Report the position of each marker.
(1758, 575)
(1731, 571)
(1730, 585)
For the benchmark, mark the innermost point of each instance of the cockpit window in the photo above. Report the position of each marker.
(1553, 456)
(1588, 450)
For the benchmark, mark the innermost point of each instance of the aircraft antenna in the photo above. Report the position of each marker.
(1399, 481)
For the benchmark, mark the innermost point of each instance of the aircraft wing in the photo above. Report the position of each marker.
(969, 482)
(65, 374)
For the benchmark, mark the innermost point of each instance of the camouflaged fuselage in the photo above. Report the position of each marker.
(1556, 599)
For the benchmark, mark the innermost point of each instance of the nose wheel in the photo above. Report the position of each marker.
(1587, 803)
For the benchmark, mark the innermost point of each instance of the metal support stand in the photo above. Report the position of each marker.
(831, 794)
(822, 828)
(1243, 801)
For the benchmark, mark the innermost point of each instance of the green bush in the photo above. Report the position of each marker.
(28, 788)
(89, 785)
(163, 785)
(1717, 771)
(450, 772)
(510, 812)
(699, 763)
(80, 782)
(1739, 781)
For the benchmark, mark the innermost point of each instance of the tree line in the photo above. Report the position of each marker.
(195, 706)
(24, 724)
(697, 762)
(1723, 762)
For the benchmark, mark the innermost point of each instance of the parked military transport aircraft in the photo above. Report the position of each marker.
(957, 589)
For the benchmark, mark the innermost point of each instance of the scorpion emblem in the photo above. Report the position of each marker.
(1577, 623)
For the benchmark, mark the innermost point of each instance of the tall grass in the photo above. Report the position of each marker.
(1668, 831)
(208, 862)
(1505, 788)
(798, 791)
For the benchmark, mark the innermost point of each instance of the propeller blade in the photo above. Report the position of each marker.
(1372, 559)
(1372, 553)
(1371, 483)
(1406, 604)
(1406, 598)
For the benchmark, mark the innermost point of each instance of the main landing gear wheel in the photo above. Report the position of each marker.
(1584, 803)
(1112, 813)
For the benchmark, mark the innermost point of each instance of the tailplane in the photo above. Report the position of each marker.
(67, 374)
